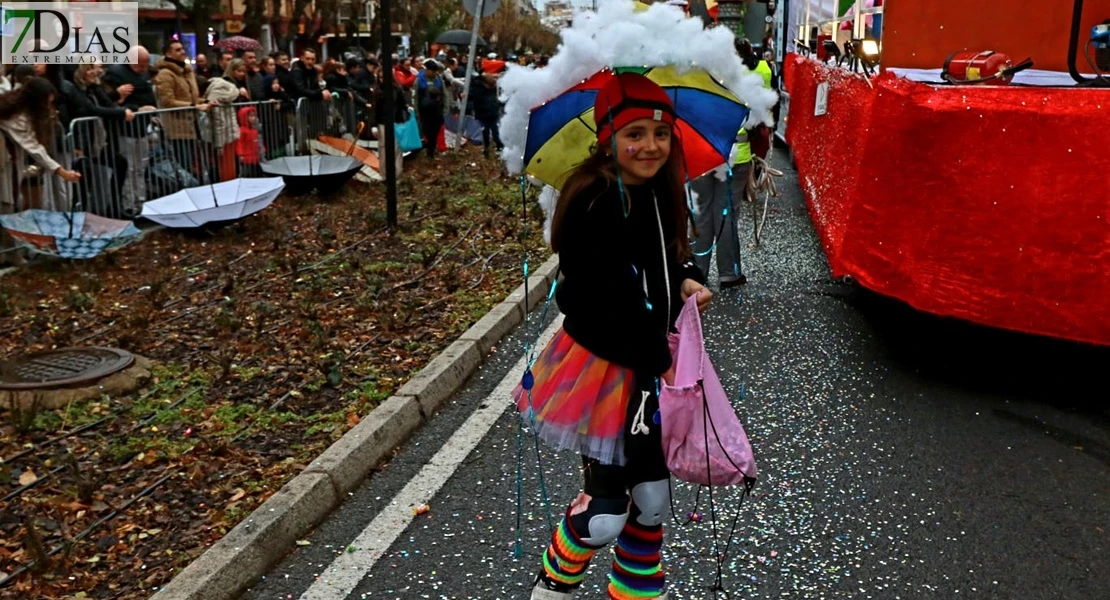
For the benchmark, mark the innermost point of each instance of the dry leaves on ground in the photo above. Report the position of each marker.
(271, 337)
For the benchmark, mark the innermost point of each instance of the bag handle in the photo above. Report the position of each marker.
(691, 337)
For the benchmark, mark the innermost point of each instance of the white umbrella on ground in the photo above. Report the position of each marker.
(227, 201)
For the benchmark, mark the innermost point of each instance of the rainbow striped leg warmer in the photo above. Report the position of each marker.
(637, 565)
(567, 557)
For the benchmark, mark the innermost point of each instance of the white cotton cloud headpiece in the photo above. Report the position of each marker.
(619, 35)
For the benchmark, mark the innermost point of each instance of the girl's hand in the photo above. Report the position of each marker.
(692, 288)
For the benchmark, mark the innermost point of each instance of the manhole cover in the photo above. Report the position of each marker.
(61, 367)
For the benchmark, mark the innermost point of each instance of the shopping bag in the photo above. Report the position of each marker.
(408, 134)
(703, 439)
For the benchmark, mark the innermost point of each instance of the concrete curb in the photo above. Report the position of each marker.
(255, 545)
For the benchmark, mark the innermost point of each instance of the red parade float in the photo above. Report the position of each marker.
(984, 199)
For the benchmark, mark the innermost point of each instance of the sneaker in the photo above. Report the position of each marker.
(545, 589)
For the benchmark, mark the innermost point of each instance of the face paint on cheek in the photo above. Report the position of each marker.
(630, 150)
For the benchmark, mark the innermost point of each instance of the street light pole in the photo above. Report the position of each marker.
(386, 133)
(471, 63)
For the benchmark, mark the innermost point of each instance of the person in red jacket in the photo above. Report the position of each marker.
(402, 73)
(249, 147)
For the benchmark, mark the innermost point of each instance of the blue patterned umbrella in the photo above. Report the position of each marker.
(68, 235)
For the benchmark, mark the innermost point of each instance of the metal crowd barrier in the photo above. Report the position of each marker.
(236, 148)
(25, 185)
(276, 125)
(125, 163)
(159, 152)
(338, 118)
(95, 155)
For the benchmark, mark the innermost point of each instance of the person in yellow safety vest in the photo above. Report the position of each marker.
(764, 70)
(742, 149)
(761, 135)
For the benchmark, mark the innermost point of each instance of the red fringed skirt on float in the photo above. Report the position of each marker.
(579, 401)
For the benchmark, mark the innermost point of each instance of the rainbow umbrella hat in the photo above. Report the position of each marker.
(561, 131)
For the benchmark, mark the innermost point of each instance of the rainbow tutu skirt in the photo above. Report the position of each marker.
(579, 401)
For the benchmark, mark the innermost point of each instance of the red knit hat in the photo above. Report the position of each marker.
(626, 98)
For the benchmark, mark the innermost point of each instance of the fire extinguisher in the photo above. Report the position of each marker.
(982, 67)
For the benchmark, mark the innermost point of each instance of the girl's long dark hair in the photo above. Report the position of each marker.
(32, 98)
(599, 165)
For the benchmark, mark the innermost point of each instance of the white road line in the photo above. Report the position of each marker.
(348, 569)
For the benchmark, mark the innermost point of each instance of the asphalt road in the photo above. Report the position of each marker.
(901, 456)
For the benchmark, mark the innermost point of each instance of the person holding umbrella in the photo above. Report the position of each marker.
(619, 226)
(619, 145)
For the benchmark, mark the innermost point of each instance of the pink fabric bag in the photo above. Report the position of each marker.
(703, 439)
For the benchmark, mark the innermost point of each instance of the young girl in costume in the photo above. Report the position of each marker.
(620, 232)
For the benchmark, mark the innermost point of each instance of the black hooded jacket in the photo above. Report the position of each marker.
(304, 83)
(614, 293)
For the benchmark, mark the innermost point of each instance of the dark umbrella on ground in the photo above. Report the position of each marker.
(371, 169)
(239, 43)
(457, 37)
(326, 174)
